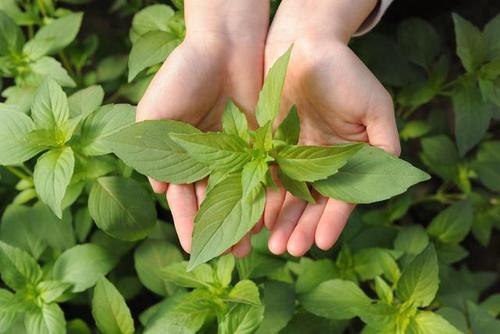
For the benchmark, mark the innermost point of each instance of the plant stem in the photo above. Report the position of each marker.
(67, 64)
(16, 172)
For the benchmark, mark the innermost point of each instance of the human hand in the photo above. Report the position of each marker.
(221, 56)
(338, 100)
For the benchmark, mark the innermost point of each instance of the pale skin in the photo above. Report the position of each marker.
(338, 99)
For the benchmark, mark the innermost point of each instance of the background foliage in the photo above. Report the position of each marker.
(86, 246)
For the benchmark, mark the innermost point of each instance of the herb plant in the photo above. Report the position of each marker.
(86, 247)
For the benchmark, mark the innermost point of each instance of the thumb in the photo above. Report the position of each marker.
(381, 128)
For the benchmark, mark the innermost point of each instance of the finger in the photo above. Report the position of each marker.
(289, 216)
(258, 227)
(183, 205)
(381, 127)
(157, 186)
(274, 201)
(200, 188)
(302, 237)
(243, 247)
(332, 223)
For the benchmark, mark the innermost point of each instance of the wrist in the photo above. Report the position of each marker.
(229, 22)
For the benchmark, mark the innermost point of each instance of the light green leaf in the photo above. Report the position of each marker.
(147, 147)
(200, 277)
(253, 176)
(224, 218)
(49, 319)
(472, 116)
(17, 268)
(491, 38)
(149, 258)
(50, 107)
(85, 101)
(268, 105)
(279, 307)
(78, 326)
(21, 97)
(383, 290)
(241, 319)
(215, 149)
(411, 239)
(426, 322)
(471, 47)
(224, 269)
(150, 49)
(419, 41)
(336, 299)
(48, 67)
(51, 290)
(234, 122)
(289, 130)
(298, 189)
(371, 175)
(117, 213)
(8, 311)
(312, 163)
(14, 129)
(82, 265)
(414, 129)
(11, 36)
(264, 138)
(453, 224)
(150, 18)
(52, 175)
(419, 281)
(109, 309)
(54, 36)
(104, 122)
(372, 262)
(244, 292)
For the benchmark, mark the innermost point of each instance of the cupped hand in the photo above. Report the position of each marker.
(192, 86)
(338, 100)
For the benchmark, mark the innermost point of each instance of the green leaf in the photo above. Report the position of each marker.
(419, 281)
(415, 129)
(224, 269)
(51, 290)
(8, 310)
(109, 309)
(426, 322)
(200, 277)
(471, 47)
(49, 319)
(253, 176)
(104, 122)
(244, 292)
(268, 105)
(411, 239)
(298, 189)
(312, 163)
(486, 164)
(82, 265)
(150, 18)
(336, 299)
(149, 258)
(453, 224)
(150, 49)
(419, 41)
(215, 149)
(279, 307)
(491, 38)
(224, 218)
(147, 147)
(19, 227)
(21, 97)
(50, 107)
(117, 213)
(492, 304)
(480, 320)
(440, 155)
(372, 262)
(59, 234)
(52, 175)
(78, 326)
(11, 36)
(54, 36)
(472, 116)
(48, 67)
(289, 130)
(14, 129)
(17, 268)
(234, 122)
(85, 101)
(312, 273)
(241, 319)
(383, 290)
(455, 317)
(371, 175)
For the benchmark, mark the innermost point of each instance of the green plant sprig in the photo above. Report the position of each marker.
(237, 162)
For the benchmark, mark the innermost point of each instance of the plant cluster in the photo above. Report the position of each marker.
(86, 246)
